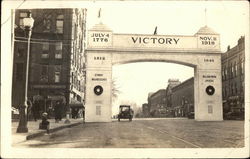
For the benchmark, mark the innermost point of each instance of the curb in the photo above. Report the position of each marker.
(43, 132)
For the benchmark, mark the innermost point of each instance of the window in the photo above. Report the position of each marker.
(242, 67)
(59, 23)
(19, 71)
(232, 70)
(57, 77)
(232, 89)
(44, 74)
(236, 69)
(225, 92)
(225, 73)
(58, 54)
(98, 110)
(21, 16)
(45, 50)
(236, 90)
(20, 52)
(72, 77)
(47, 23)
(242, 88)
(210, 109)
(57, 74)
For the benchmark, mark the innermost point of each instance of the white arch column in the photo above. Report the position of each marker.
(98, 90)
(98, 95)
(207, 94)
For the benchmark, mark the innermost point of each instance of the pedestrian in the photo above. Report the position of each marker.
(50, 111)
(35, 110)
(57, 110)
(74, 113)
(61, 108)
(29, 109)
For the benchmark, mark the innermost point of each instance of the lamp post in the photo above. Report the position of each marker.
(22, 127)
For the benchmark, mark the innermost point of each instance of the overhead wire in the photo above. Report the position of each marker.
(34, 42)
(11, 15)
(34, 39)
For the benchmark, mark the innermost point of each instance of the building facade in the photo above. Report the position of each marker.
(183, 98)
(57, 57)
(233, 75)
(157, 103)
(171, 83)
(145, 110)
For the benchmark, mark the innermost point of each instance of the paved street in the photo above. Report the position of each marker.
(145, 133)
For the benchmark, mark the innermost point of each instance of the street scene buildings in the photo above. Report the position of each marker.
(178, 98)
(56, 71)
(233, 80)
(69, 77)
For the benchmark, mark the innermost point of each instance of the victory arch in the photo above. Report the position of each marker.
(200, 51)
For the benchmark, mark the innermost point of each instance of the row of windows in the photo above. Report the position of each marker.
(44, 76)
(232, 90)
(76, 83)
(79, 35)
(58, 50)
(232, 70)
(47, 22)
(45, 50)
(44, 73)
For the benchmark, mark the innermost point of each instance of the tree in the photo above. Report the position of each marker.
(115, 90)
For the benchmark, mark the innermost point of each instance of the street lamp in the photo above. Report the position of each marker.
(22, 127)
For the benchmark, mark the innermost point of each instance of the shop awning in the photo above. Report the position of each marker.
(76, 105)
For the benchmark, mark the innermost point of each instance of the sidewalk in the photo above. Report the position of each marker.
(34, 131)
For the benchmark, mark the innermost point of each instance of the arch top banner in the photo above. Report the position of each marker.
(201, 41)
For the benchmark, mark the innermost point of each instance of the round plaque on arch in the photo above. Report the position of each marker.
(98, 90)
(210, 90)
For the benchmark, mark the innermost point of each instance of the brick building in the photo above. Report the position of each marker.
(145, 110)
(171, 83)
(56, 70)
(157, 103)
(233, 74)
(183, 98)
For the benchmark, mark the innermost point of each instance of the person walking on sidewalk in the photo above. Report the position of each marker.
(57, 110)
(35, 110)
(29, 109)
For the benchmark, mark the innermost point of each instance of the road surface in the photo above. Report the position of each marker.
(145, 133)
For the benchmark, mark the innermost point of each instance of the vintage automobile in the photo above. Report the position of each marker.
(235, 114)
(190, 115)
(125, 112)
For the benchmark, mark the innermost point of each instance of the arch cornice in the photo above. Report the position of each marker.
(183, 57)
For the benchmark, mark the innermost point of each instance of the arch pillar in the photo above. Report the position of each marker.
(207, 95)
(98, 93)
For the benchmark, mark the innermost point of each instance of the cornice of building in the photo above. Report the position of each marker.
(190, 80)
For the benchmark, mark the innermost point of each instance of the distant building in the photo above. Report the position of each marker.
(57, 59)
(157, 103)
(149, 104)
(145, 110)
(233, 74)
(171, 83)
(183, 98)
